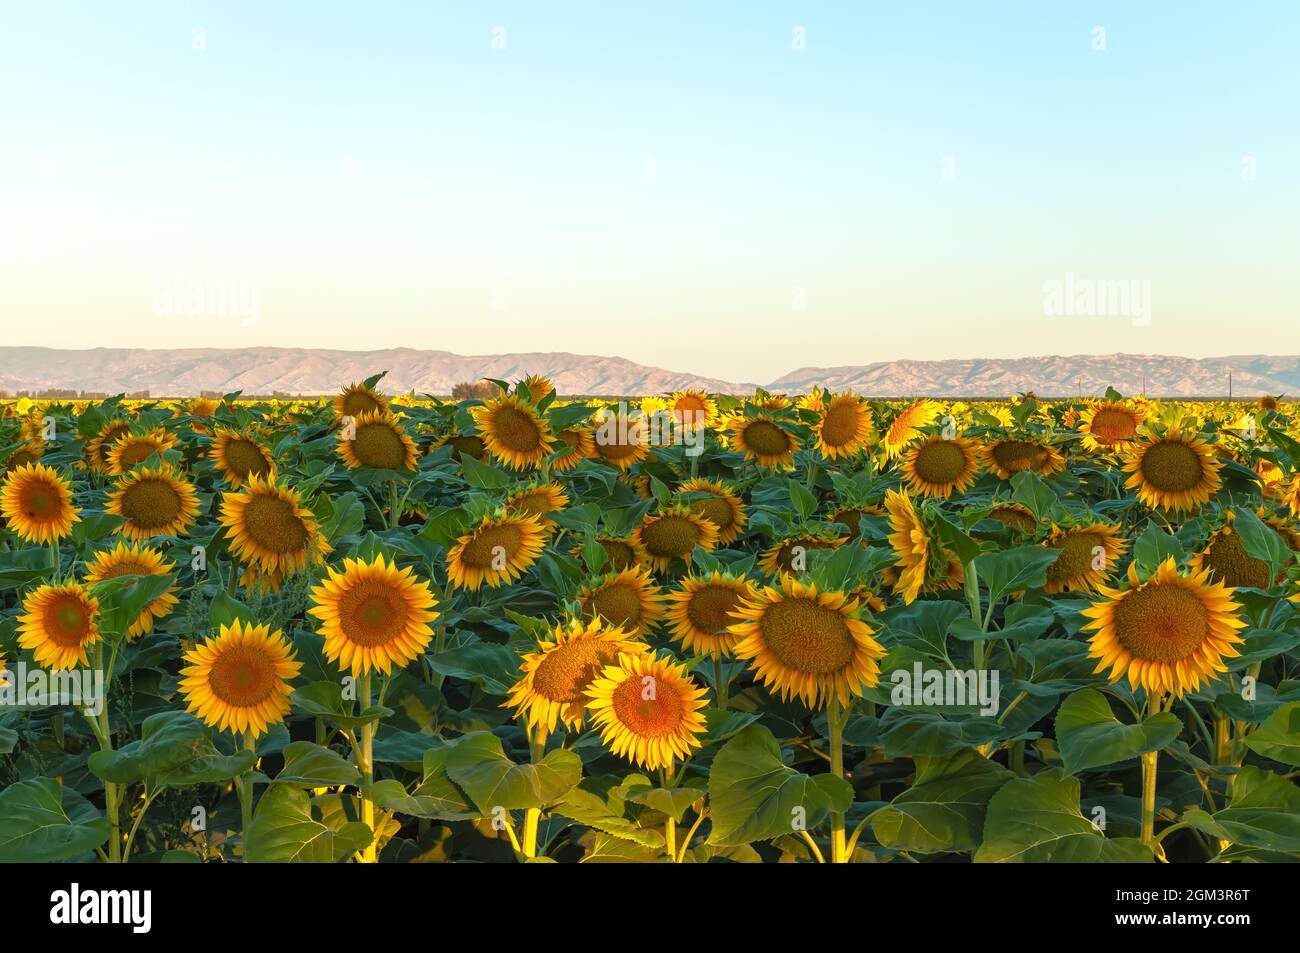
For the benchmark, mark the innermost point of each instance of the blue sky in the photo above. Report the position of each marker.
(676, 185)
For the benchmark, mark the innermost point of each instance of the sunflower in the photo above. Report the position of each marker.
(674, 533)
(942, 467)
(627, 598)
(130, 450)
(463, 445)
(37, 504)
(1226, 560)
(762, 440)
(373, 615)
(581, 444)
(1111, 425)
(851, 516)
(377, 440)
(699, 612)
(270, 528)
(538, 500)
(358, 399)
(780, 558)
(57, 623)
(922, 562)
(1268, 402)
(621, 440)
(135, 560)
(153, 503)
(1175, 472)
(554, 680)
(1170, 633)
(723, 507)
(693, 407)
(539, 386)
(844, 427)
(238, 457)
(29, 451)
(97, 447)
(1016, 515)
(513, 432)
(907, 426)
(498, 551)
(770, 402)
(239, 679)
(647, 710)
(622, 552)
(200, 408)
(1011, 456)
(806, 643)
(1088, 555)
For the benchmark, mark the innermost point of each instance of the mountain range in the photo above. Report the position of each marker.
(309, 371)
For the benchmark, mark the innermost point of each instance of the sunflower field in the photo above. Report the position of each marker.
(681, 629)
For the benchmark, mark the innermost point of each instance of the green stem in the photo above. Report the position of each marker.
(839, 853)
(366, 762)
(721, 682)
(245, 787)
(130, 837)
(533, 816)
(1149, 781)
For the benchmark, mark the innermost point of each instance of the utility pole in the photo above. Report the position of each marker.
(1229, 385)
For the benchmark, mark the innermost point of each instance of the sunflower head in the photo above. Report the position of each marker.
(699, 612)
(153, 502)
(377, 440)
(358, 399)
(1178, 471)
(621, 439)
(648, 710)
(37, 504)
(844, 427)
(1111, 425)
(693, 407)
(674, 533)
(135, 560)
(807, 644)
(270, 529)
(553, 682)
(906, 426)
(942, 466)
(628, 599)
(790, 555)
(131, 449)
(57, 623)
(762, 439)
(373, 616)
(497, 552)
(513, 432)
(463, 445)
(1170, 633)
(539, 500)
(621, 552)
(718, 503)
(1010, 456)
(581, 445)
(1225, 558)
(1087, 556)
(238, 680)
(922, 562)
(238, 457)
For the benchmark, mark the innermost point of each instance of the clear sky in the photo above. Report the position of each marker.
(675, 183)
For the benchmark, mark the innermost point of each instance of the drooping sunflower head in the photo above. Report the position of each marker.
(622, 552)
(1016, 515)
(238, 680)
(673, 533)
(941, 467)
(790, 555)
(37, 504)
(648, 710)
(238, 457)
(1170, 633)
(553, 682)
(580, 444)
(906, 427)
(513, 432)
(1010, 456)
(539, 500)
(1175, 472)
(496, 552)
(135, 560)
(699, 612)
(807, 644)
(922, 562)
(98, 446)
(57, 623)
(845, 426)
(130, 450)
(1111, 425)
(851, 516)
(463, 445)
(153, 502)
(628, 599)
(718, 503)
(373, 616)
(379, 441)
(1225, 559)
(763, 440)
(693, 407)
(270, 529)
(1088, 556)
(358, 399)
